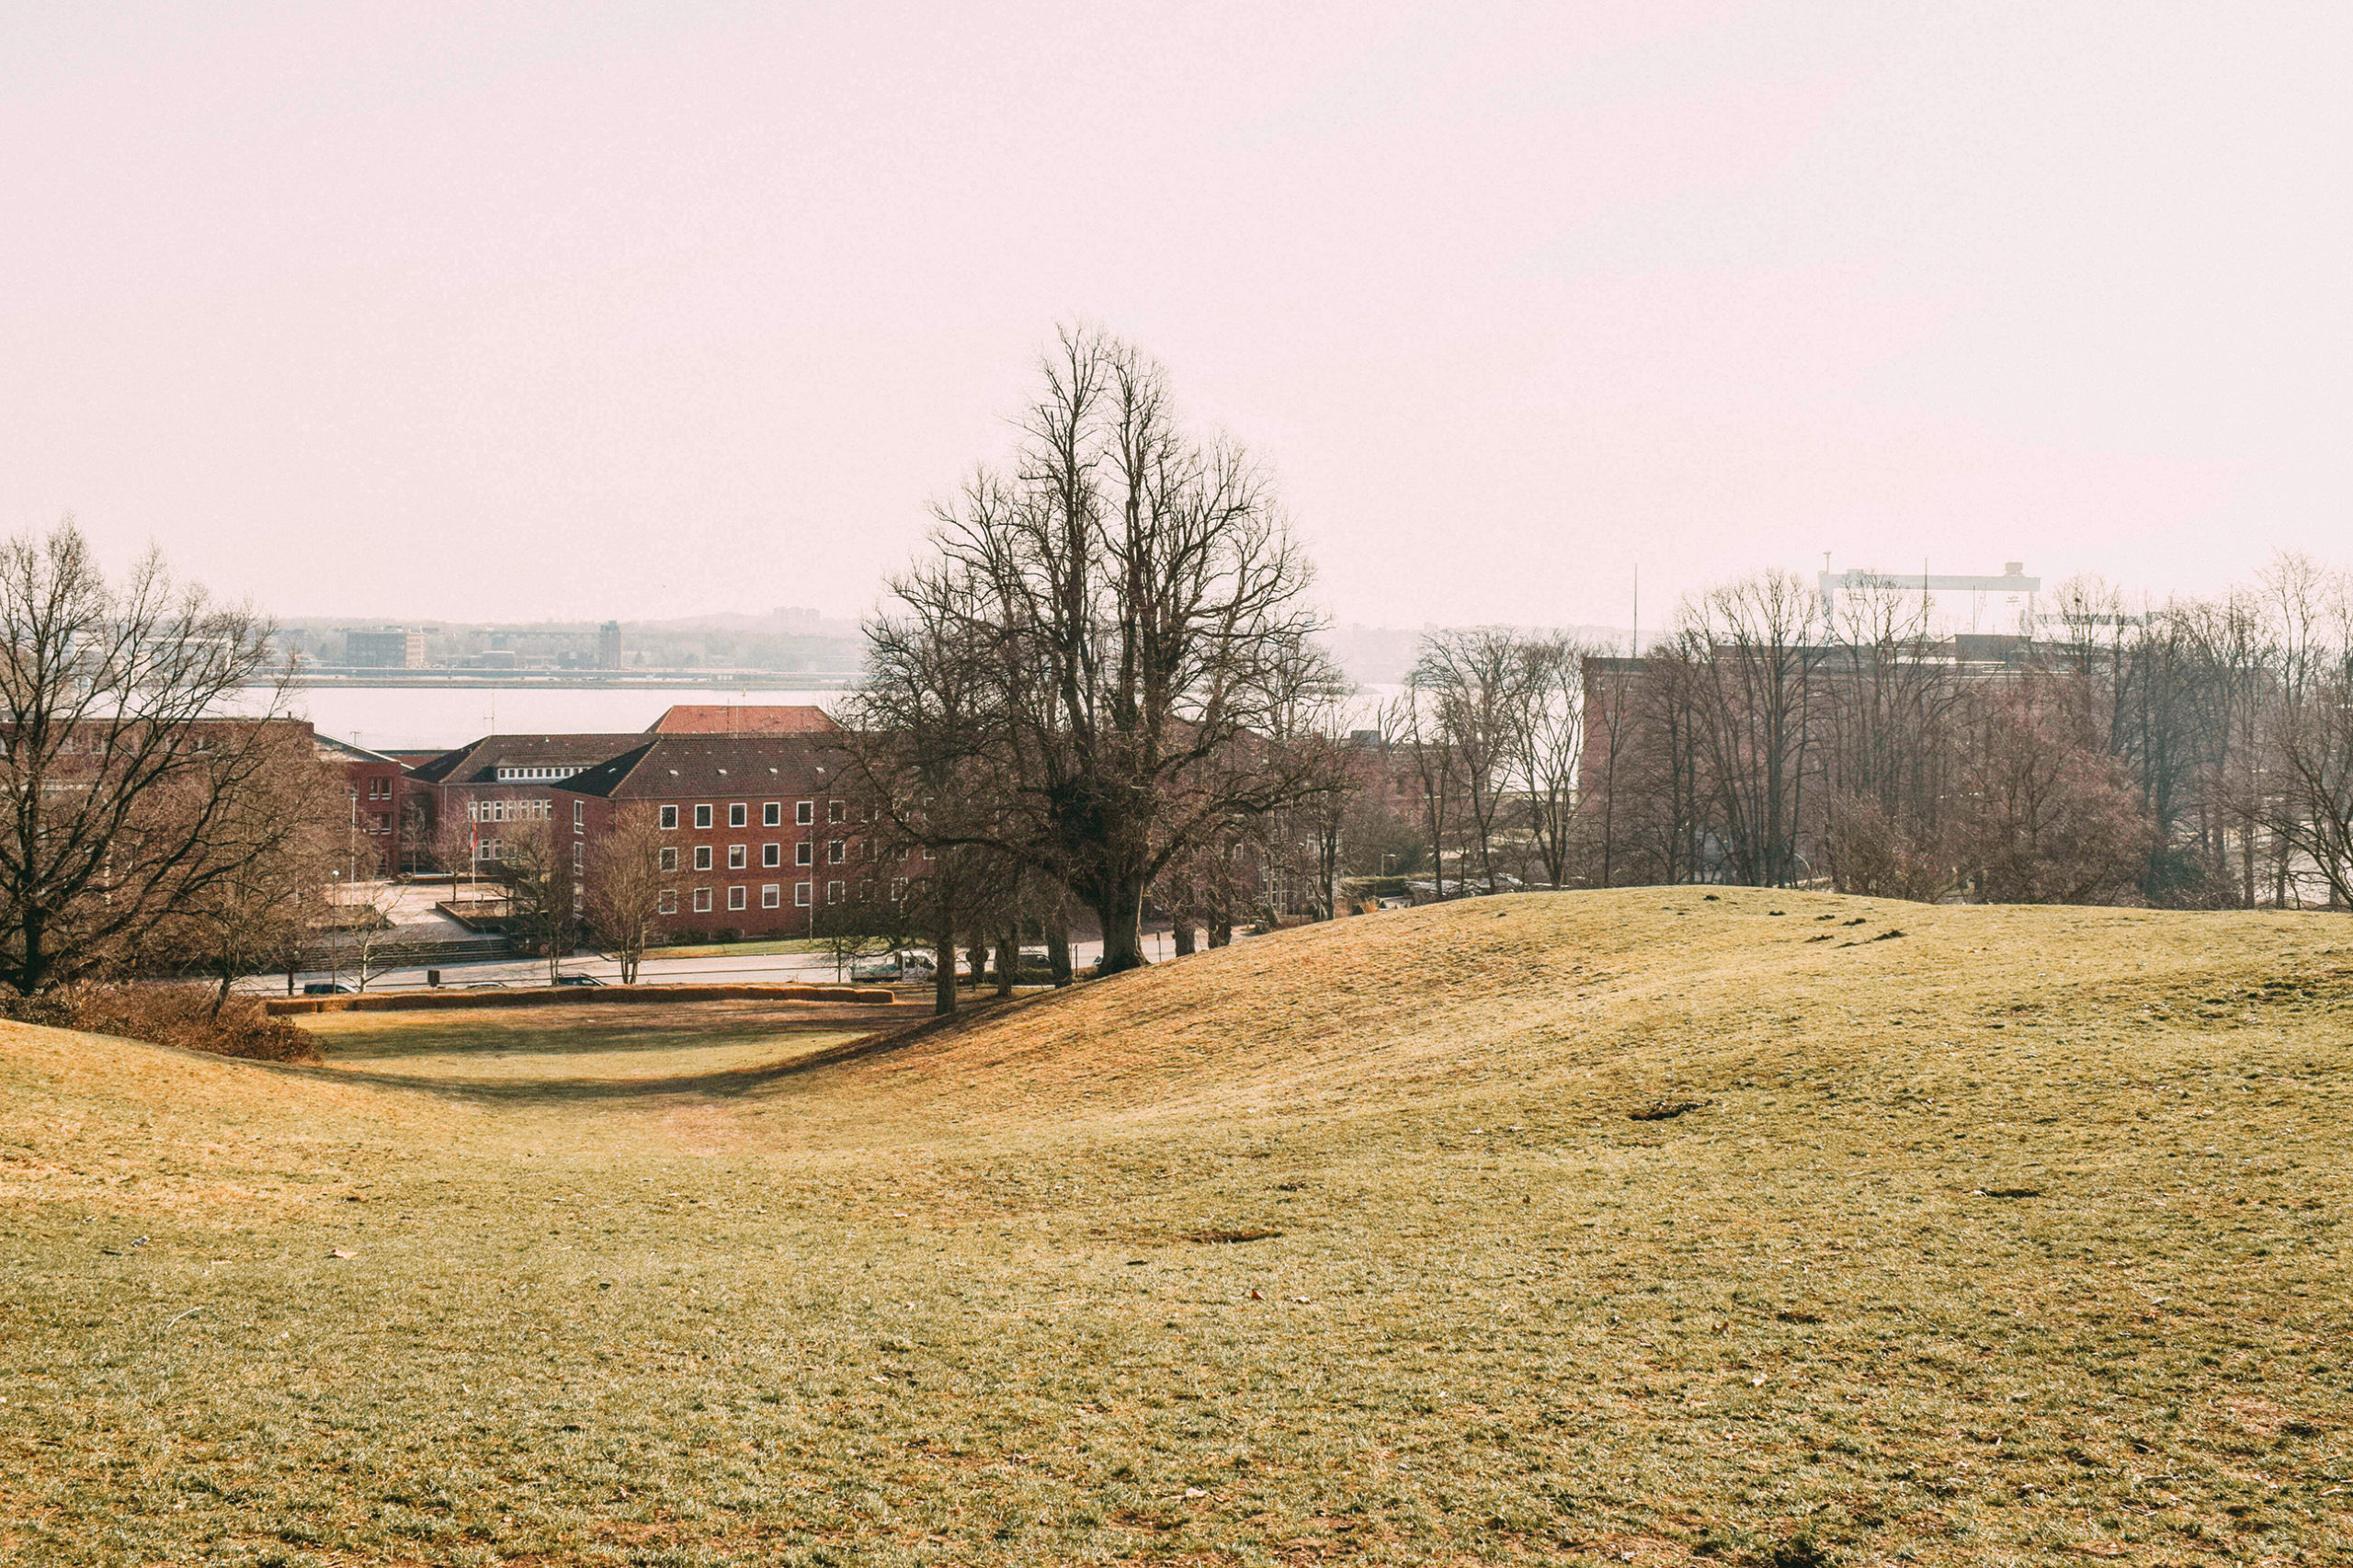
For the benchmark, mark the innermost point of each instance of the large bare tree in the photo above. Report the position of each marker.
(120, 781)
(1138, 612)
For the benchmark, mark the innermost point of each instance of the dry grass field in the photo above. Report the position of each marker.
(1988, 1236)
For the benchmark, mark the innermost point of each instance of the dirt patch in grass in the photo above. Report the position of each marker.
(728, 1290)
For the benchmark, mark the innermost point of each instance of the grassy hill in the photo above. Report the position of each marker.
(1989, 1235)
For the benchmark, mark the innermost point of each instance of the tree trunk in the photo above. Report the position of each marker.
(1181, 929)
(1221, 929)
(1121, 913)
(943, 972)
(1008, 960)
(1058, 946)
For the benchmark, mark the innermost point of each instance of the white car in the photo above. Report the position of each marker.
(910, 966)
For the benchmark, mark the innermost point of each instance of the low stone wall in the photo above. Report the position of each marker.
(540, 997)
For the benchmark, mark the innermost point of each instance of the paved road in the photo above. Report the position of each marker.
(780, 969)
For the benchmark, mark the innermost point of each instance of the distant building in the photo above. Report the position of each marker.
(771, 839)
(742, 718)
(394, 648)
(608, 645)
(376, 784)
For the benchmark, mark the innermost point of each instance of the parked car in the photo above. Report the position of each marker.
(324, 988)
(903, 966)
(577, 980)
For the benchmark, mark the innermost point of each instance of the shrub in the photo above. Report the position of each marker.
(172, 1015)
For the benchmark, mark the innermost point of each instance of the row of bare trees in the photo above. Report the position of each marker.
(2198, 753)
(1491, 726)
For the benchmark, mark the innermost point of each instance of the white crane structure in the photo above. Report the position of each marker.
(2012, 581)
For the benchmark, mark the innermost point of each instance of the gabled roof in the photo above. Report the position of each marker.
(710, 767)
(479, 761)
(745, 719)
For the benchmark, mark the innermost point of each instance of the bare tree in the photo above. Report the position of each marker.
(1471, 682)
(1547, 743)
(118, 784)
(2311, 810)
(258, 915)
(625, 887)
(1137, 611)
(360, 917)
(1752, 647)
(2051, 820)
(1428, 750)
(535, 867)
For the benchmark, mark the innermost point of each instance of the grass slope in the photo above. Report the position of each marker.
(2011, 1238)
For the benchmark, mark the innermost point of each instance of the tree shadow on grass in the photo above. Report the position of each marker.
(558, 1045)
(718, 1083)
(727, 1083)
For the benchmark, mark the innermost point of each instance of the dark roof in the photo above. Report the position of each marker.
(672, 767)
(479, 762)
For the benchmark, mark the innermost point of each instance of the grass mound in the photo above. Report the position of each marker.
(2014, 1235)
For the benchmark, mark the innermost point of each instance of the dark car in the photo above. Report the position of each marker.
(577, 980)
(324, 988)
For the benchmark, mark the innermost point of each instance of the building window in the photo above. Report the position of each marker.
(668, 858)
(738, 857)
(898, 890)
(703, 816)
(667, 903)
(772, 814)
(771, 895)
(929, 853)
(833, 892)
(833, 810)
(579, 812)
(771, 854)
(702, 901)
(801, 894)
(738, 813)
(802, 852)
(736, 896)
(702, 857)
(669, 816)
(578, 850)
(805, 812)
(836, 852)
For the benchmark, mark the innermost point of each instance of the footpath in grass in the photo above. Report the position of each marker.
(2012, 1238)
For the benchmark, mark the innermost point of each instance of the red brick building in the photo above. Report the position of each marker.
(502, 781)
(376, 784)
(769, 836)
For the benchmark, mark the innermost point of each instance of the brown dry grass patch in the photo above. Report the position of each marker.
(712, 1292)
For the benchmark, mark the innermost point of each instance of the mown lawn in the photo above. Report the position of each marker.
(2015, 1238)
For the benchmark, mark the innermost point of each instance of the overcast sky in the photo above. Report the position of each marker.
(521, 312)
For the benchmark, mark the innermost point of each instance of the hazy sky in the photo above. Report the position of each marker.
(562, 310)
